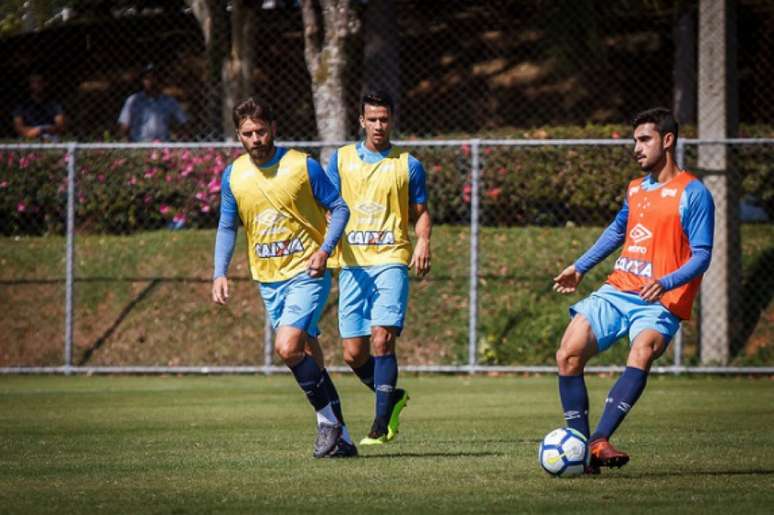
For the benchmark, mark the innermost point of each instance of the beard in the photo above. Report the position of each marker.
(261, 153)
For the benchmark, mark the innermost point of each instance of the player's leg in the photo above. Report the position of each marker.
(577, 347)
(388, 311)
(303, 300)
(355, 286)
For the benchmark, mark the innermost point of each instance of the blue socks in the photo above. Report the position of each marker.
(575, 402)
(310, 379)
(333, 396)
(366, 373)
(385, 379)
(620, 400)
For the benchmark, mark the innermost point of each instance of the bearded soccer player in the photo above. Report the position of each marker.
(281, 196)
(385, 187)
(666, 227)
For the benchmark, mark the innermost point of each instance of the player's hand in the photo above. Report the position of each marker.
(652, 291)
(420, 261)
(317, 264)
(220, 290)
(568, 280)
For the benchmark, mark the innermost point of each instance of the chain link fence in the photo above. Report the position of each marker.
(508, 216)
(456, 67)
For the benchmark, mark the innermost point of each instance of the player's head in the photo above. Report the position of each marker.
(150, 78)
(655, 137)
(255, 127)
(376, 119)
(37, 84)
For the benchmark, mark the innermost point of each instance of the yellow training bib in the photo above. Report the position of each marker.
(283, 222)
(378, 199)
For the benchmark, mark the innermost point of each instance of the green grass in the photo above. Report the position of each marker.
(243, 444)
(144, 299)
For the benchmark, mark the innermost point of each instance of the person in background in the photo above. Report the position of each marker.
(39, 118)
(149, 114)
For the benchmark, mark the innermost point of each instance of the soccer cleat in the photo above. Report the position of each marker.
(343, 449)
(400, 399)
(377, 435)
(327, 437)
(603, 454)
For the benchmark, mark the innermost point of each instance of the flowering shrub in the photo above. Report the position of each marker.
(122, 191)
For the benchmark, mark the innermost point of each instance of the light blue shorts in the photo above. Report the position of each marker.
(297, 302)
(614, 314)
(372, 296)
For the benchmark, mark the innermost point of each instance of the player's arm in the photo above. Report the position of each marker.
(610, 239)
(697, 216)
(25, 131)
(59, 121)
(326, 194)
(124, 119)
(225, 239)
(423, 224)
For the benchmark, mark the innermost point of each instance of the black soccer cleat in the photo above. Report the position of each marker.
(343, 449)
(327, 437)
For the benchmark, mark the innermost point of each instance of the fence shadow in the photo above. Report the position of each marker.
(756, 295)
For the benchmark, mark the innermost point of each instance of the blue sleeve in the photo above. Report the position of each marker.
(225, 238)
(612, 238)
(697, 216)
(332, 170)
(327, 195)
(417, 186)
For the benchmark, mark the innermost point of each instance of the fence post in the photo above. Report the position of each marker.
(677, 350)
(68, 350)
(473, 294)
(268, 343)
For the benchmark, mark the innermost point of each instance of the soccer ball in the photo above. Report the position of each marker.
(563, 452)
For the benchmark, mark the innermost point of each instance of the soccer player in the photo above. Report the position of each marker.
(666, 227)
(385, 186)
(281, 197)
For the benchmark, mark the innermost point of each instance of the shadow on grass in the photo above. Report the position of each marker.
(695, 473)
(432, 455)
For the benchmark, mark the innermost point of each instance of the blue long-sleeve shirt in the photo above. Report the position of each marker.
(322, 189)
(697, 217)
(417, 185)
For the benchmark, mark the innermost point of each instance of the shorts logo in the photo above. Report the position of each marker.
(640, 233)
(371, 238)
(279, 248)
(668, 192)
(634, 266)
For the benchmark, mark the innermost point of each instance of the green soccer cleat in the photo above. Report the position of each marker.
(377, 435)
(400, 400)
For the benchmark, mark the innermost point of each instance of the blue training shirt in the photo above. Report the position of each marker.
(322, 189)
(697, 217)
(417, 187)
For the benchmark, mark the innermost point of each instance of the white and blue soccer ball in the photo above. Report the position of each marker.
(563, 452)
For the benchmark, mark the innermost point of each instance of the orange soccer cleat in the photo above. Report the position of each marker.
(603, 454)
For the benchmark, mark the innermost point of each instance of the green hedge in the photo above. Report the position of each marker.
(126, 191)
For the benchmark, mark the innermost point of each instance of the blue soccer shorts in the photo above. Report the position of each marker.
(613, 314)
(297, 302)
(372, 296)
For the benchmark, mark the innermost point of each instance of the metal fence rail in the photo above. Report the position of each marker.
(474, 164)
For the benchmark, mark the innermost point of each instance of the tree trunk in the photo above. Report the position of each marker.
(213, 20)
(325, 34)
(381, 51)
(238, 69)
(684, 72)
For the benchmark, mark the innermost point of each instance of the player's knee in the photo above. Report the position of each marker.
(382, 341)
(288, 352)
(569, 361)
(641, 356)
(355, 357)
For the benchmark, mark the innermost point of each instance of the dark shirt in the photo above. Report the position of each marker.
(38, 114)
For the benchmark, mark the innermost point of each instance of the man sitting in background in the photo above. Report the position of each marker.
(38, 117)
(147, 114)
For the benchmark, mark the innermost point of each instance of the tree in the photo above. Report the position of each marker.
(381, 52)
(325, 34)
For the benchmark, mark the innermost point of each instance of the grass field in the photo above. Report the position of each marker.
(144, 299)
(243, 444)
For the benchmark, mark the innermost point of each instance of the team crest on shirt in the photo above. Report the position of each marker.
(668, 192)
(369, 212)
(633, 190)
(273, 219)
